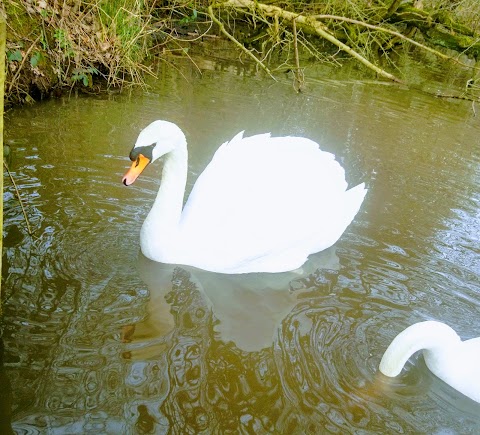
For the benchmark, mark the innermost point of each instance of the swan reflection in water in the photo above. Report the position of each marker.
(247, 309)
(208, 346)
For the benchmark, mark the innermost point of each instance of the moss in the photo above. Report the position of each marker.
(445, 18)
(440, 28)
(20, 20)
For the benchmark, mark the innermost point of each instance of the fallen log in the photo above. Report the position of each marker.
(439, 29)
(310, 23)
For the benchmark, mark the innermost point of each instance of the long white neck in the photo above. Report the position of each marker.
(160, 228)
(433, 337)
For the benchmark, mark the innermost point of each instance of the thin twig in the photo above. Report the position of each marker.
(21, 64)
(299, 78)
(238, 44)
(19, 199)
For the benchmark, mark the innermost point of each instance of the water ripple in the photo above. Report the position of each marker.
(93, 345)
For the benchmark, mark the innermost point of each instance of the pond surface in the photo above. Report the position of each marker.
(100, 340)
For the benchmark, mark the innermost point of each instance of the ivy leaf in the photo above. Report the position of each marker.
(14, 56)
(35, 59)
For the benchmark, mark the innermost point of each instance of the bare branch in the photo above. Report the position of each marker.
(314, 25)
(19, 199)
(238, 44)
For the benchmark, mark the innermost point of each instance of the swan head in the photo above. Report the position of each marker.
(154, 141)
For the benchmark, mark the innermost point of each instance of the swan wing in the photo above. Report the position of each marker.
(460, 369)
(269, 201)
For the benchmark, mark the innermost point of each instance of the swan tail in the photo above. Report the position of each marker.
(353, 200)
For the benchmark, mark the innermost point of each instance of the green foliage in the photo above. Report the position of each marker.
(73, 42)
(35, 59)
(124, 21)
(14, 56)
(63, 42)
(192, 18)
(84, 75)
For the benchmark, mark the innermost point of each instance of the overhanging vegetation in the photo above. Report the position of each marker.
(52, 45)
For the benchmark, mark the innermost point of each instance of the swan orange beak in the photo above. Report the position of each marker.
(135, 170)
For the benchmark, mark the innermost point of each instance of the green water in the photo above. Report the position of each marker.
(100, 340)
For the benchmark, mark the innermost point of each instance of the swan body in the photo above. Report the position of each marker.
(263, 204)
(454, 361)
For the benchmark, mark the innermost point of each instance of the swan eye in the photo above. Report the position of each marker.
(147, 151)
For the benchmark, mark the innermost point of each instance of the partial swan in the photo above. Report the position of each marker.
(263, 204)
(455, 362)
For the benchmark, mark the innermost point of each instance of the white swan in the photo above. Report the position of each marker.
(263, 204)
(455, 362)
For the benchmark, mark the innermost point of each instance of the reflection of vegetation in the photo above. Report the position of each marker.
(6, 401)
(312, 379)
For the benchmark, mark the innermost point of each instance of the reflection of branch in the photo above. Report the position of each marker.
(461, 97)
(19, 199)
(238, 44)
(457, 97)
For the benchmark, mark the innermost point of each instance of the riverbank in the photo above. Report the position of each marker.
(55, 47)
